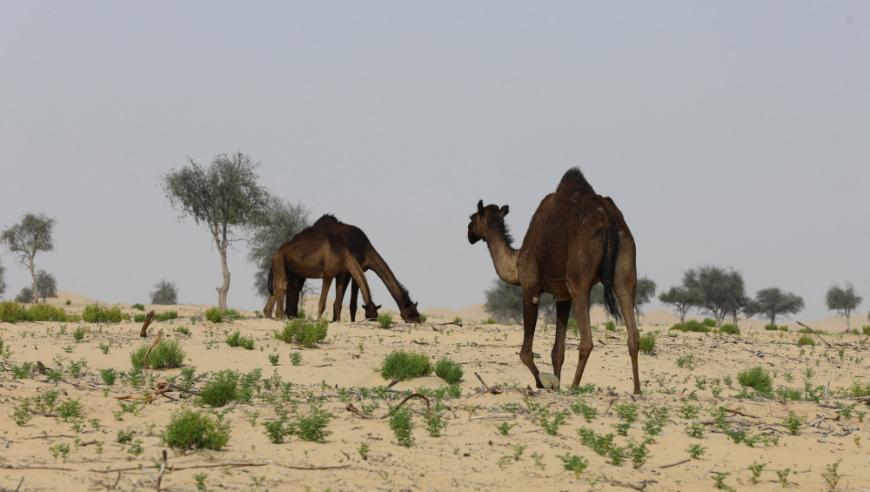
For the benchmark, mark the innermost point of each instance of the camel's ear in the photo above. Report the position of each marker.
(480, 206)
(378, 306)
(504, 210)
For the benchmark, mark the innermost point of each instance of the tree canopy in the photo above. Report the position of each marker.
(644, 293)
(720, 292)
(681, 298)
(772, 302)
(28, 238)
(164, 293)
(224, 196)
(282, 221)
(844, 300)
(504, 302)
(46, 286)
(2, 280)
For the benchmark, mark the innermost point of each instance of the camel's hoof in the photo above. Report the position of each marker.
(550, 381)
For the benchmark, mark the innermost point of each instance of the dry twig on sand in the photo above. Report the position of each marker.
(148, 319)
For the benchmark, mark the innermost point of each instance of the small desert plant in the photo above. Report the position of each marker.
(756, 468)
(44, 312)
(183, 330)
(448, 370)
(312, 427)
(806, 340)
(793, 423)
(504, 428)
(832, 475)
(696, 451)
(166, 354)
(273, 359)
(69, 409)
(610, 326)
(12, 312)
(138, 306)
(687, 361)
(401, 366)
(401, 425)
(627, 412)
(79, 333)
(235, 339)
(729, 329)
(580, 407)
(865, 329)
(757, 379)
(190, 429)
(166, 316)
(295, 358)
(647, 343)
(108, 376)
(228, 385)
(217, 315)
(574, 463)
(693, 325)
(303, 332)
(95, 313)
(385, 320)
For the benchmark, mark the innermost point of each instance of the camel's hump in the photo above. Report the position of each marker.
(573, 181)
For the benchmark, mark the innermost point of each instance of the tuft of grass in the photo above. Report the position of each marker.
(273, 359)
(95, 313)
(401, 366)
(574, 463)
(448, 370)
(757, 379)
(647, 343)
(696, 451)
(217, 315)
(166, 354)
(793, 423)
(183, 330)
(303, 332)
(295, 358)
(235, 339)
(729, 329)
(610, 326)
(865, 329)
(687, 361)
(108, 376)
(166, 316)
(806, 340)
(79, 333)
(401, 425)
(12, 312)
(190, 429)
(229, 385)
(138, 306)
(693, 326)
(312, 427)
(832, 475)
(385, 320)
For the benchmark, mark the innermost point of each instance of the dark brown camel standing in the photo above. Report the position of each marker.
(576, 239)
(312, 253)
(369, 259)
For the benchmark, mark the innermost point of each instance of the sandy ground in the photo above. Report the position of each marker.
(471, 452)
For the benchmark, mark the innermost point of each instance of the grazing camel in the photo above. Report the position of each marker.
(312, 253)
(369, 259)
(576, 238)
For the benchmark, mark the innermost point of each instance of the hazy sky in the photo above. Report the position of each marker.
(730, 133)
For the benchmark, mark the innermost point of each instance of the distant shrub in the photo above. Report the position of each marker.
(385, 320)
(709, 322)
(166, 316)
(164, 293)
(229, 385)
(806, 340)
(448, 370)
(94, 313)
(183, 330)
(217, 315)
(805, 330)
(489, 321)
(139, 318)
(138, 306)
(12, 312)
(235, 339)
(44, 312)
(757, 379)
(312, 427)
(647, 343)
(25, 296)
(866, 329)
(693, 326)
(729, 329)
(166, 354)
(191, 429)
(303, 332)
(610, 326)
(400, 366)
(770, 327)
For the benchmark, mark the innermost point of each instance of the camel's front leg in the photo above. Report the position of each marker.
(324, 292)
(340, 288)
(563, 310)
(530, 319)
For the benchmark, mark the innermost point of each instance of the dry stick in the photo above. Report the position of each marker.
(35, 467)
(354, 410)
(148, 319)
(162, 471)
(676, 464)
(20, 483)
(814, 333)
(117, 481)
(740, 413)
(148, 352)
(493, 390)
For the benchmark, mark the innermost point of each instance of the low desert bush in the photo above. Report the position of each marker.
(229, 385)
(448, 370)
(190, 429)
(401, 366)
(385, 320)
(806, 340)
(729, 329)
(303, 332)
(756, 378)
(312, 427)
(865, 329)
(692, 325)
(12, 312)
(709, 322)
(138, 306)
(647, 343)
(235, 339)
(95, 313)
(166, 316)
(217, 315)
(166, 354)
(401, 425)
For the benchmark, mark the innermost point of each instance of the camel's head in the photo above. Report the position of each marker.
(487, 221)
(371, 310)
(410, 314)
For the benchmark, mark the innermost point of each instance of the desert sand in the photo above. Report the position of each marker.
(471, 453)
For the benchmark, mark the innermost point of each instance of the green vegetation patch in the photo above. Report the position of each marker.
(401, 366)
(303, 332)
(190, 429)
(166, 354)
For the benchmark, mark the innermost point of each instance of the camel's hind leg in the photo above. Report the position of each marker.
(624, 286)
(531, 300)
(563, 310)
(354, 296)
(324, 292)
(340, 289)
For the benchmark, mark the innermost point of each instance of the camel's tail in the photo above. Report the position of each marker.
(270, 280)
(608, 270)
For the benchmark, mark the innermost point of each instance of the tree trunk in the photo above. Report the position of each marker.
(32, 267)
(773, 320)
(848, 320)
(224, 289)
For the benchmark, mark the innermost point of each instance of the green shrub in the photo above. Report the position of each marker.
(303, 332)
(229, 385)
(865, 329)
(806, 340)
(647, 343)
(94, 313)
(448, 370)
(235, 339)
(44, 312)
(710, 322)
(138, 306)
(574, 463)
(401, 366)
(757, 379)
(166, 354)
(79, 333)
(139, 318)
(191, 429)
(312, 427)
(12, 312)
(610, 326)
(183, 330)
(108, 376)
(217, 315)
(793, 423)
(166, 316)
(770, 327)
(729, 329)
(805, 330)
(692, 325)
(69, 410)
(401, 424)
(385, 320)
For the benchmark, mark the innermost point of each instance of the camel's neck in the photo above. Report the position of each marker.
(380, 267)
(504, 257)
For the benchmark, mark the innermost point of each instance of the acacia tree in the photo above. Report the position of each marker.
(718, 291)
(46, 285)
(224, 196)
(681, 298)
(504, 302)
(2, 280)
(25, 296)
(773, 302)
(164, 293)
(28, 238)
(844, 300)
(281, 222)
(644, 293)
